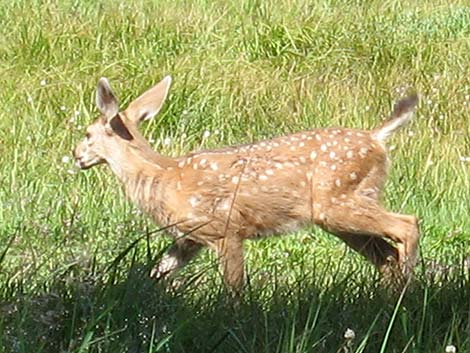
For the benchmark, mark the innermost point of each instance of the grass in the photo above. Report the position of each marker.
(74, 255)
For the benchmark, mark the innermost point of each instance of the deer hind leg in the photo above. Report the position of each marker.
(367, 218)
(179, 254)
(378, 251)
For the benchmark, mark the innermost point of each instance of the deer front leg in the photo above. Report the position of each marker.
(230, 253)
(179, 254)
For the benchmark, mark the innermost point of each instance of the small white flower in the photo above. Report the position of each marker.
(367, 108)
(77, 113)
(30, 99)
(217, 132)
(441, 117)
(63, 108)
(451, 349)
(467, 97)
(411, 133)
(349, 334)
(429, 102)
(185, 112)
(65, 159)
(429, 163)
(71, 171)
(464, 159)
(43, 82)
(206, 134)
(183, 136)
(392, 147)
(151, 140)
(166, 141)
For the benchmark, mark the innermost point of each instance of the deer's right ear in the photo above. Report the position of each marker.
(106, 101)
(149, 104)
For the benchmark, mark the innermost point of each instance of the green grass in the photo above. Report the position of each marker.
(74, 255)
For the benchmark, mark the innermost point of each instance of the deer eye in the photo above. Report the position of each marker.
(87, 135)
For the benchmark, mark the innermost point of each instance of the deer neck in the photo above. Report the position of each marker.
(139, 165)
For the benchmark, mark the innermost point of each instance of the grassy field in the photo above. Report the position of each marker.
(74, 255)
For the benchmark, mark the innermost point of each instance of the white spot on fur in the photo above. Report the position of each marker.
(338, 182)
(332, 155)
(303, 184)
(302, 159)
(278, 165)
(333, 167)
(214, 166)
(323, 147)
(301, 144)
(363, 152)
(181, 164)
(269, 172)
(322, 216)
(203, 162)
(349, 154)
(263, 177)
(347, 139)
(309, 176)
(318, 137)
(235, 179)
(353, 176)
(193, 201)
(313, 155)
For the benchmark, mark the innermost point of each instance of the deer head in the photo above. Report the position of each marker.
(115, 133)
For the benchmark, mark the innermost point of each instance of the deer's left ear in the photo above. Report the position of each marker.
(149, 104)
(106, 101)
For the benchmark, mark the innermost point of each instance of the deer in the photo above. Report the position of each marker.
(329, 177)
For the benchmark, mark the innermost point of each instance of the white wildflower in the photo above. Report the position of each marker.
(185, 112)
(30, 99)
(451, 349)
(65, 159)
(349, 334)
(166, 141)
(63, 108)
(367, 108)
(43, 82)
(464, 159)
(77, 113)
(206, 134)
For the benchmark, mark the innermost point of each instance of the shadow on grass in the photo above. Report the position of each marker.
(125, 311)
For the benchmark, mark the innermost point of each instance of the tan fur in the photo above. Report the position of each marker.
(330, 177)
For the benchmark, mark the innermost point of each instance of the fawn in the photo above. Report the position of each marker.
(331, 177)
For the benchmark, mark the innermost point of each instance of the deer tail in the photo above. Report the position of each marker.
(401, 115)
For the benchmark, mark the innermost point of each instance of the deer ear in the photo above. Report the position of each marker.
(106, 102)
(119, 128)
(149, 104)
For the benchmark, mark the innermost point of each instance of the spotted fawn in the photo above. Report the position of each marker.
(331, 177)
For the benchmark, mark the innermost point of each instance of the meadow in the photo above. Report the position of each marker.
(75, 255)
